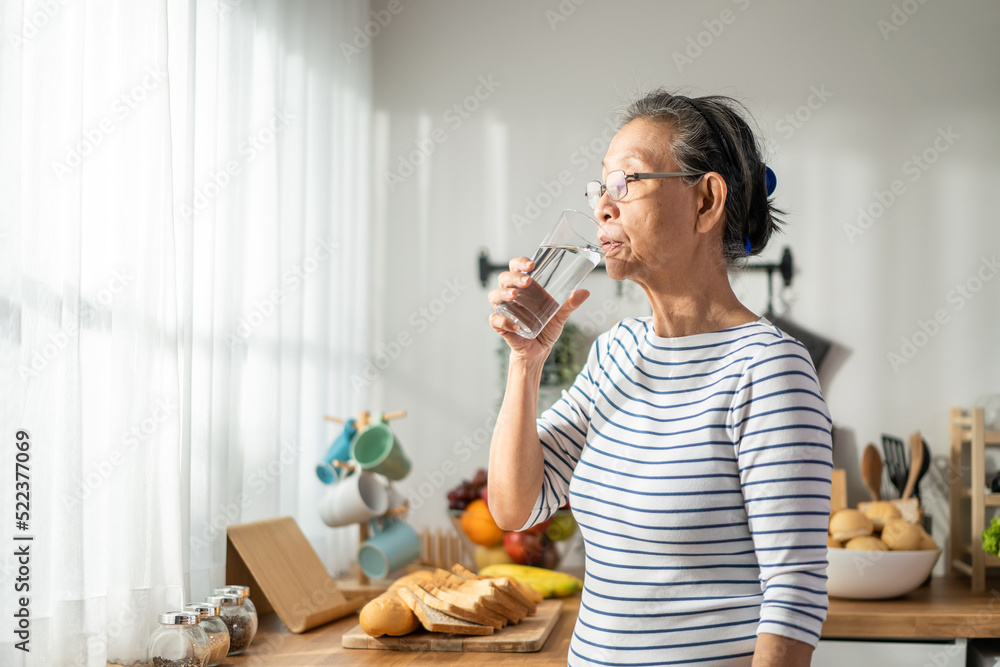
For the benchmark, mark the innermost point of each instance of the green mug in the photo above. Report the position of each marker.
(376, 449)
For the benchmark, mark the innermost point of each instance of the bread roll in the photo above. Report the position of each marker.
(832, 543)
(387, 614)
(927, 542)
(848, 523)
(881, 512)
(866, 543)
(901, 535)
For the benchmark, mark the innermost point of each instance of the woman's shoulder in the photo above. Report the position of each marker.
(758, 334)
(777, 352)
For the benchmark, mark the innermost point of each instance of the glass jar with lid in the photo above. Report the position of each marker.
(245, 592)
(179, 641)
(234, 614)
(218, 633)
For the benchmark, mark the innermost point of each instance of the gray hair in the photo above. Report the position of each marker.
(710, 134)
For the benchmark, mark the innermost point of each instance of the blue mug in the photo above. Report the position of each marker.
(340, 450)
(393, 547)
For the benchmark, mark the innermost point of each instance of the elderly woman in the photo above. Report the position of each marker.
(695, 445)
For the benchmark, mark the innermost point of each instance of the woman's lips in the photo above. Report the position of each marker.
(610, 246)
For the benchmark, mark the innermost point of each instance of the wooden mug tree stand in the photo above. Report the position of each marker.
(364, 418)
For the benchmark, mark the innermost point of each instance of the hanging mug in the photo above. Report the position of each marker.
(394, 545)
(340, 450)
(358, 497)
(376, 449)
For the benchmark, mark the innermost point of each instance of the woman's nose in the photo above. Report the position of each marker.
(605, 209)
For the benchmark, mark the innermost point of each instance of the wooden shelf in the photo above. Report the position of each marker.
(989, 437)
(989, 499)
(969, 435)
(991, 561)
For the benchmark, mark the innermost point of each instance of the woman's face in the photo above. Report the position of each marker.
(651, 231)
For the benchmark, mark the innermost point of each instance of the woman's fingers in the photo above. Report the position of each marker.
(552, 330)
(522, 264)
(498, 296)
(501, 324)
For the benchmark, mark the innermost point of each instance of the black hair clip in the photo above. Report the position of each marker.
(770, 180)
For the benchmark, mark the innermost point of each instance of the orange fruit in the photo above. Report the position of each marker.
(479, 526)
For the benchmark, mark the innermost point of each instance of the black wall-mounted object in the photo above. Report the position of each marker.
(784, 268)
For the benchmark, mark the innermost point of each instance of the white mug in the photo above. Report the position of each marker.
(396, 497)
(356, 498)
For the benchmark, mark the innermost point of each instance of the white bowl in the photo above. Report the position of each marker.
(877, 575)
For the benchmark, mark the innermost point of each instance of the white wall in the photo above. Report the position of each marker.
(887, 99)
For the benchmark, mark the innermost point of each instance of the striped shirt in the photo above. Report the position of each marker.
(698, 469)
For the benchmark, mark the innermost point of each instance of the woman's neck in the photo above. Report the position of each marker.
(699, 304)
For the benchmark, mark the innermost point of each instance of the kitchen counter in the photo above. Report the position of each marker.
(946, 609)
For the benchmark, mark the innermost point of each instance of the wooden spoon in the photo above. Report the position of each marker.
(871, 471)
(916, 462)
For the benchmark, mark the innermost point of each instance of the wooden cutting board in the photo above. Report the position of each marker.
(527, 636)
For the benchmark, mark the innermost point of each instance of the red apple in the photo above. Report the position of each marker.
(526, 548)
(482, 494)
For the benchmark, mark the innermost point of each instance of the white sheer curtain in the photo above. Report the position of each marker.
(183, 253)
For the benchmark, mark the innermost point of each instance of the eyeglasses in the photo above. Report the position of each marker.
(616, 184)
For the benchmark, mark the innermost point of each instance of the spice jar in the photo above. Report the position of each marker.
(218, 633)
(237, 619)
(245, 592)
(179, 641)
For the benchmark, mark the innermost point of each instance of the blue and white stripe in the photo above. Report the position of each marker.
(698, 470)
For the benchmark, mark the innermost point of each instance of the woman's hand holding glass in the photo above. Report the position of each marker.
(510, 282)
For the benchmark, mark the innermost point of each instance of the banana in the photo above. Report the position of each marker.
(547, 582)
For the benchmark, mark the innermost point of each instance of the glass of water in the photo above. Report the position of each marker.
(566, 256)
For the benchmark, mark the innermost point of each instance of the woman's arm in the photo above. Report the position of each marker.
(778, 651)
(516, 462)
(782, 428)
(517, 465)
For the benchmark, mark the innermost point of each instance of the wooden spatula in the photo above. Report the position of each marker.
(916, 462)
(871, 471)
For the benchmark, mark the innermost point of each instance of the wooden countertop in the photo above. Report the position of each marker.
(946, 608)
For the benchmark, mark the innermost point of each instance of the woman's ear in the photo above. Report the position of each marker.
(711, 202)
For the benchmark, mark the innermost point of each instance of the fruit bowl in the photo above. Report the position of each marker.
(877, 575)
(485, 545)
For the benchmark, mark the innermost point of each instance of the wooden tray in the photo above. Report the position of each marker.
(527, 636)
